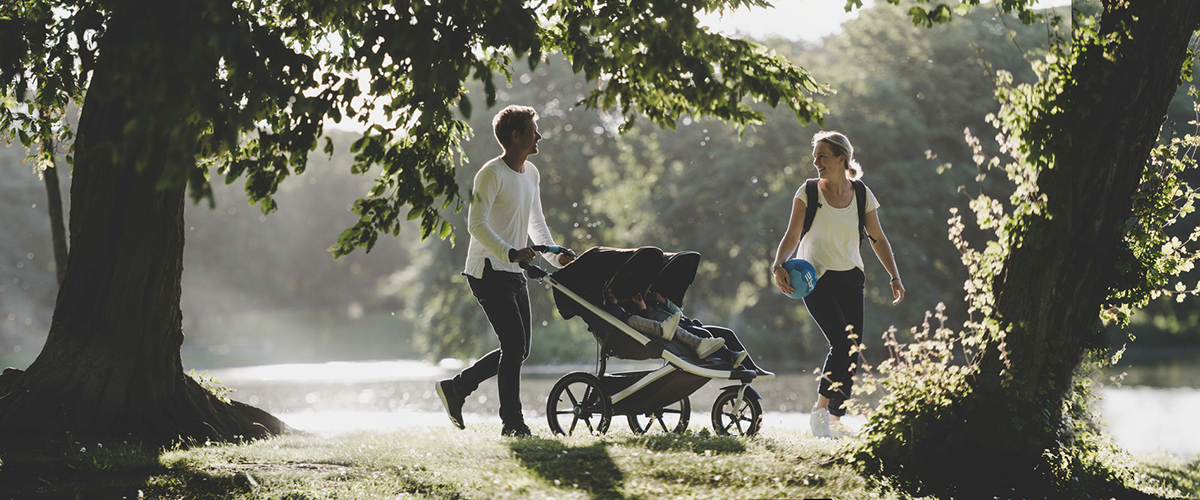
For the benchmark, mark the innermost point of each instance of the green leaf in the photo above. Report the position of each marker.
(919, 17)
(446, 229)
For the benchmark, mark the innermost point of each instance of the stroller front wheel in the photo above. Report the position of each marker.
(737, 418)
(578, 403)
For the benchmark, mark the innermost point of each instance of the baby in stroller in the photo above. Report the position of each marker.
(661, 318)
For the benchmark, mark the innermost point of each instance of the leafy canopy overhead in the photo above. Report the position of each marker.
(269, 73)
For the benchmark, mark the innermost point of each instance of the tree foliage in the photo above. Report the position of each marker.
(268, 74)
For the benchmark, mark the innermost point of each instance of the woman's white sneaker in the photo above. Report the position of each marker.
(819, 421)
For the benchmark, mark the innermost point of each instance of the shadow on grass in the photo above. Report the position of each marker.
(113, 469)
(589, 468)
(66, 468)
(695, 443)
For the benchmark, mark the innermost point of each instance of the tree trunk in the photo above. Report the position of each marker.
(1011, 427)
(58, 231)
(111, 364)
(1113, 112)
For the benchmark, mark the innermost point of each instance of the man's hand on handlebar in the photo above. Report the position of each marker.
(527, 254)
(524, 255)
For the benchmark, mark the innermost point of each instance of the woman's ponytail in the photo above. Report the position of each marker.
(856, 171)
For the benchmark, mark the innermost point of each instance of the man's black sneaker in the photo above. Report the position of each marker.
(452, 401)
(516, 430)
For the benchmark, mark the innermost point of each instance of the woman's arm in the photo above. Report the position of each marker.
(883, 250)
(791, 239)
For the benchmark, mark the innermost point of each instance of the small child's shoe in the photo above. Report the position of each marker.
(738, 357)
(709, 346)
(669, 325)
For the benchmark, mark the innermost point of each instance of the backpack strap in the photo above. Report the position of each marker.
(860, 196)
(810, 209)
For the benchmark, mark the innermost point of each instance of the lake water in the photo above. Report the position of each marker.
(342, 396)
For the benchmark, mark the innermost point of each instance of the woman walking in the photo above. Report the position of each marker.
(842, 214)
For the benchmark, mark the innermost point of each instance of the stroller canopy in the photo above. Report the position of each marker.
(626, 271)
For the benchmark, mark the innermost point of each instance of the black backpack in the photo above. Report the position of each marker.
(860, 196)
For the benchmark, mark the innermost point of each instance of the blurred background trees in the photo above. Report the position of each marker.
(265, 289)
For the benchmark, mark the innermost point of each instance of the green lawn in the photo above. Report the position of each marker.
(442, 462)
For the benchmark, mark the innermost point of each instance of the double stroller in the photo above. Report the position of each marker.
(583, 402)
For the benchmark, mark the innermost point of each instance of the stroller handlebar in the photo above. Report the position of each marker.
(536, 272)
(552, 249)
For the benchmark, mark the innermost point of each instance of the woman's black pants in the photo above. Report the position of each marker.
(836, 303)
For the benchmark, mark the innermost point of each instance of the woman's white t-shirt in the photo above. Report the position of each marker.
(832, 242)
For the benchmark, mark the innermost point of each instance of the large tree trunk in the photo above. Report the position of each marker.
(1010, 427)
(1052, 286)
(111, 364)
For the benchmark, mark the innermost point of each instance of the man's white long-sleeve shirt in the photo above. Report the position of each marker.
(505, 212)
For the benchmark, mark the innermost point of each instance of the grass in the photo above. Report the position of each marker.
(446, 463)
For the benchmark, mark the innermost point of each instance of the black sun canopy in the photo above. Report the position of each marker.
(626, 271)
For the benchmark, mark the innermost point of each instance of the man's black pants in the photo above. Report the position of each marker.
(504, 297)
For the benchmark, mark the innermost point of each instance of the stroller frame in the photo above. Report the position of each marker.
(654, 394)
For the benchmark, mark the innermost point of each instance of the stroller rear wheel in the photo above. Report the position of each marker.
(737, 418)
(577, 402)
(670, 418)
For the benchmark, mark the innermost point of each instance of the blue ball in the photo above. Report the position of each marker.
(803, 277)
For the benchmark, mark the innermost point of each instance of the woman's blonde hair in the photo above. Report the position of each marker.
(841, 147)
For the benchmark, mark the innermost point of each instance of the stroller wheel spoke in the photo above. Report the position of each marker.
(732, 421)
(574, 402)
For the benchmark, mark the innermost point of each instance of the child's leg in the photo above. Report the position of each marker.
(649, 327)
(704, 347)
(645, 326)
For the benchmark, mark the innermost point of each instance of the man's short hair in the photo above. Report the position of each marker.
(511, 119)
